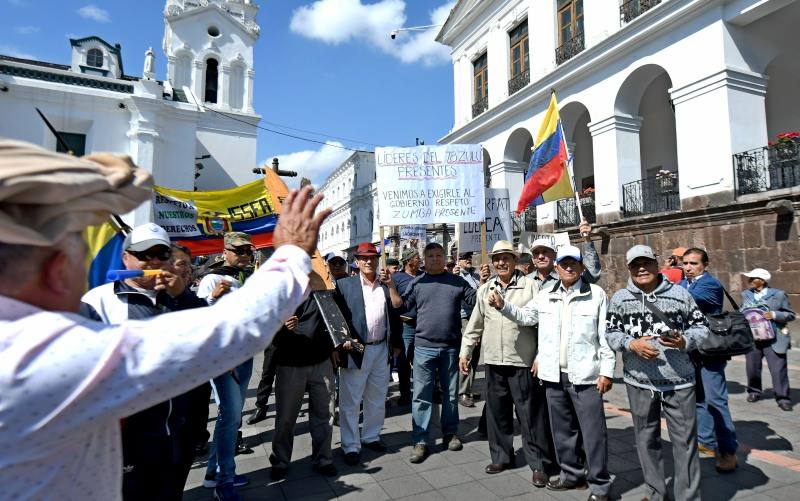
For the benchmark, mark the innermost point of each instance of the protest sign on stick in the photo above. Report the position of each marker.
(473, 237)
(413, 232)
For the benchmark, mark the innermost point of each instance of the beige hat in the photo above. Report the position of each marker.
(46, 195)
(503, 247)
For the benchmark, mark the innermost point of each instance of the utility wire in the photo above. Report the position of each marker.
(284, 133)
(321, 134)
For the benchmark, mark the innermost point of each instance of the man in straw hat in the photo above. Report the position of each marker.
(508, 353)
(66, 380)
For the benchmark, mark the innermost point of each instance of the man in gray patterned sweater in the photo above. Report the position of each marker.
(655, 324)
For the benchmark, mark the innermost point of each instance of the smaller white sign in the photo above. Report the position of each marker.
(556, 239)
(177, 217)
(498, 223)
(413, 232)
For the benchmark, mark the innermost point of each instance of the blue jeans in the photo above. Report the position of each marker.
(229, 392)
(408, 342)
(715, 428)
(427, 362)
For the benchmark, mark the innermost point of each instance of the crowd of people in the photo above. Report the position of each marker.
(135, 371)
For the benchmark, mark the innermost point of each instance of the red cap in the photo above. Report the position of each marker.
(366, 249)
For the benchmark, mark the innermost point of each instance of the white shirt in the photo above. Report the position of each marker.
(65, 381)
(566, 326)
(209, 282)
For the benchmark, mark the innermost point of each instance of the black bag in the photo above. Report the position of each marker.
(729, 333)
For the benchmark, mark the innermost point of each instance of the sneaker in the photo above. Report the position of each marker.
(705, 451)
(226, 492)
(726, 463)
(419, 453)
(452, 442)
(211, 480)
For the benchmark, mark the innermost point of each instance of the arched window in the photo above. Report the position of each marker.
(94, 58)
(212, 77)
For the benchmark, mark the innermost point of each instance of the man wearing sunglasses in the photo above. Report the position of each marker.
(157, 445)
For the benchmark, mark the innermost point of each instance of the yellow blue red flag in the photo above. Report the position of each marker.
(104, 244)
(548, 177)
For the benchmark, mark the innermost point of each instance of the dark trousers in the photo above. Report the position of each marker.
(267, 378)
(509, 388)
(777, 369)
(574, 409)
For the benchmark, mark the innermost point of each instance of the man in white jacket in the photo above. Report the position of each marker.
(577, 366)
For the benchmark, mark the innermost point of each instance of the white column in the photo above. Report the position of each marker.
(199, 80)
(542, 37)
(509, 175)
(171, 61)
(223, 89)
(497, 58)
(248, 91)
(715, 118)
(617, 160)
(462, 81)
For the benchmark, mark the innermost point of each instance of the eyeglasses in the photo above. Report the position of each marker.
(241, 251)
(159, 252)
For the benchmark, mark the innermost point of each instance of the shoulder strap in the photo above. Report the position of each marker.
(654, 309)
(730, 298)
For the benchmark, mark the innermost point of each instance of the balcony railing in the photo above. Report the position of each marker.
(525, 221)
(768, 168)
(519, 81)
(567, 212)
(570, 48)
(631, 9)
(652, 195)
(480, 106)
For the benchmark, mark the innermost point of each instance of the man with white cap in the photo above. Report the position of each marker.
(337, 265)
(777, 310)
(543, 254)
(577, 366)
(508, 353)
(66, 381)
(655, 323)
(157, 447)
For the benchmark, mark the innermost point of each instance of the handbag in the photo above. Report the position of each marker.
(729, 333)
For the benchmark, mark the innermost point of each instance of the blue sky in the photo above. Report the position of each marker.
(326, 66)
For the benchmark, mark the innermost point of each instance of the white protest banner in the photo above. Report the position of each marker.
(498, 223)
(430, 184)
(413, 232)
(556, 239)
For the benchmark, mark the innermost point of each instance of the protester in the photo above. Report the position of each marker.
(410, 261)
(337, 266)
(543, 252)
(508, 353)
(778, 310)
(673, 266)
(577, 367)
(437, 297)
(68, 380)
(657, 370)
(375, 324)
(525, 263)
(158, 443)
(715, 429)
(466, 380)
(392, 264)
(303, 364)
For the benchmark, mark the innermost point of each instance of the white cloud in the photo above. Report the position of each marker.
(94, 13)
(339, 21)
(313, 164)
(27, 30)
(13, 51)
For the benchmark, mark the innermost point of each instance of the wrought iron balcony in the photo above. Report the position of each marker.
(769, 168)
(631, 9)
(524, 221)
(570, 48)
(651, 195)
(480, 106)
(567, 212)
(519, 81)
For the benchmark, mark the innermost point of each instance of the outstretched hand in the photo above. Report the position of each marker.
(297, 224)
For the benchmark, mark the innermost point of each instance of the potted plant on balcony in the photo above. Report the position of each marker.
(665, 181)
(787, 146)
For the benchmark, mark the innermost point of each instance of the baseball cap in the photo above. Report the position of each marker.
(639, 251)
(568, 251)
(145, 236)
(392, 262)
(237, 238)
(758, 273)
(465, 255)
(542, 242)
(333, 255)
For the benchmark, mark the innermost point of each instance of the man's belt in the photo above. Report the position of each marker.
(376, 342)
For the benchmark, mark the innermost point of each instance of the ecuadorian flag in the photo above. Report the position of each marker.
(548, 177)
(104, 244)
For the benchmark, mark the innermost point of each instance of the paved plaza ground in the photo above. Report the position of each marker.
(769, 456)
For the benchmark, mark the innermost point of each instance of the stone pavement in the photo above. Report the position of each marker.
(769, 457)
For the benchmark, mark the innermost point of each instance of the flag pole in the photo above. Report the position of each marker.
(383, 247)
(571, 175)
(484, 251)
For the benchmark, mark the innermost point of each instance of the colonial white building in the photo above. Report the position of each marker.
(350, 191)
(196, 129)
(644, 86)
